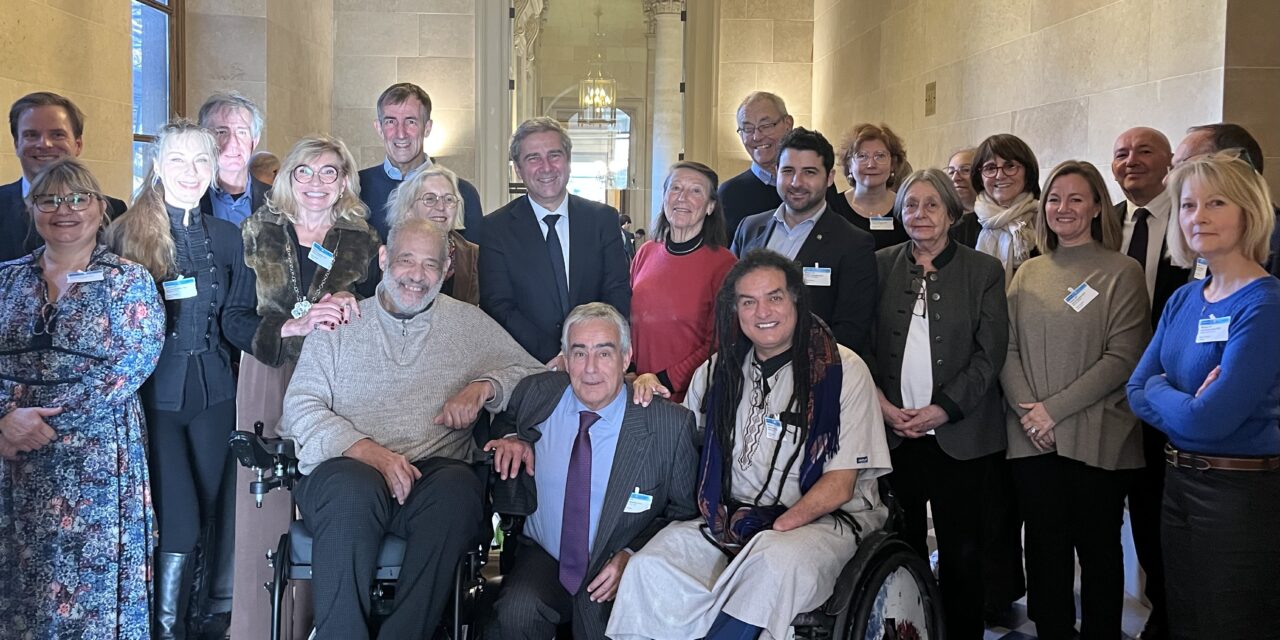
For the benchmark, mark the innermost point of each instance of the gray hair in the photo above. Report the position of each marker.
(418, 225)
(757, 96)
(941, 183)
(597, 311)
(400, 204)
(221, 100)
(540, 124)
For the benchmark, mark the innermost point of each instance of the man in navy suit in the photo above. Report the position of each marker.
(839, 259)
(45, 127)
(548, 252)
(237, 124)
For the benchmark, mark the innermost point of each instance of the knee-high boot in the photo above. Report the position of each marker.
(173, 590)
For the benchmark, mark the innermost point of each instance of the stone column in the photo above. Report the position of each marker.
(668, 102)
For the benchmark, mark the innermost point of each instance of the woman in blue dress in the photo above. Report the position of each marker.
(80, 330)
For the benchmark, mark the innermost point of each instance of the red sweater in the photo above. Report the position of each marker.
(673, 302)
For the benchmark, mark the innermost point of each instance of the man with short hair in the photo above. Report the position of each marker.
(549, 251)
(610, 474)
(793, 444)
(404, 124)
(382, 409)
(762, 121)
(45, 127)
(264, 166)
(236, 122)
(838, 259)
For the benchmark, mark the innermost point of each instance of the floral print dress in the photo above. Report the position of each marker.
(76, 525)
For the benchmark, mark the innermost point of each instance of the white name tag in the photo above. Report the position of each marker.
(816, 276)
(321, 255)
(1213, 329)
(638, 502)
(180, 289)
(772, 428)
(882, 223)
(1080, 297)
(1202, 269)
(74, 277)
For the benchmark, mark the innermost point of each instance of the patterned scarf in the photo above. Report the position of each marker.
(1008, 233)
(732, 524)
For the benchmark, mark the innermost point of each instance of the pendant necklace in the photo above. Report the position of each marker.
(303, 305)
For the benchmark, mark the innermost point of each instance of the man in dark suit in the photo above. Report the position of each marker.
(404, 123)
(549, 252)
(838, 259)
(762, 122)
(237, 124)
(610, 475)
(628, 238)
(45, 127)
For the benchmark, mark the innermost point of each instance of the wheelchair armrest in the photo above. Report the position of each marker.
(274, 460)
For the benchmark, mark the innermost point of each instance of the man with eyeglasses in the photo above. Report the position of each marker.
(45, 127)
(762, 122)
(237, 124)
(404, 123)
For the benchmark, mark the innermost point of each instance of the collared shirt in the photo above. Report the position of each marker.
(765, 177)
(26, 187)
(562, 225)
(552, 451)
(787, 240)
(398, 175)
(233, 209)
(1160, 210)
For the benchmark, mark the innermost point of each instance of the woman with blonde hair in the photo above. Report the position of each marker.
(875, 163)
(432, 194)
(1210, 379)
(197, 262)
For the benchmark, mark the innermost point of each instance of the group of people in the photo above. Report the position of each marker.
(709, 413)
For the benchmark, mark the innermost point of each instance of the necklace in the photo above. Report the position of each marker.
(683, 248)
(303, 304)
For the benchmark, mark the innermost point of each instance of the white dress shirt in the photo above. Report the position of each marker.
(562, 225)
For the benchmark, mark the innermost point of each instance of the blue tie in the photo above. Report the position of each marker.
(556, 253)
(575, 523)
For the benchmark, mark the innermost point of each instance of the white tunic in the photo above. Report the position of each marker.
(676, 585)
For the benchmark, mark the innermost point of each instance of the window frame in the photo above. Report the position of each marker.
(176, 10)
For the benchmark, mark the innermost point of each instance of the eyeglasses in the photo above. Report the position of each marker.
(921, 307)
(1010, 169)
(764, 128)
(48, 203)
(878, 157)
(964, 170)
(430, 200)
(328, 174)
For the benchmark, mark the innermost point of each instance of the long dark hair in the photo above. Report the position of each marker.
(713, 226)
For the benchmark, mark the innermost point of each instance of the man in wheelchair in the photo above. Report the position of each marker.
(381, 410)
(793, 443)
(610, 474)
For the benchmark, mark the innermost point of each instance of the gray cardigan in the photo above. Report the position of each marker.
(968, 330)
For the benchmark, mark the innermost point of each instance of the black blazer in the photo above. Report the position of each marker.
(17, 235)
(1168, 276)
(848, 306)
(968, 337)
(517, 285)
(654, 452)
(257, 193)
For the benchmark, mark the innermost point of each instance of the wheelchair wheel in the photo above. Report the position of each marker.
(897, 600)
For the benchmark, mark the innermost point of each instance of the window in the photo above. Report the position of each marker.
(156, 27)
(600, 157)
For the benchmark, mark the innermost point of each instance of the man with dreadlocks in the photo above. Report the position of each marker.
(793, 442)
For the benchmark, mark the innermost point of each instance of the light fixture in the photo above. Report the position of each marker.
(597, 92)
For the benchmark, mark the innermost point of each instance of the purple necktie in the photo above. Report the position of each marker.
(575, 525)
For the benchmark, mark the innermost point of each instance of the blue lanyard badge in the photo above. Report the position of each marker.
(180, 289)
(1213, 329)
(882, 223)
(76, 277)
(321, 256)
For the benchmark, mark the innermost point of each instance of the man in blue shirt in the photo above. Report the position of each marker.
(610, 474)
(237, 124)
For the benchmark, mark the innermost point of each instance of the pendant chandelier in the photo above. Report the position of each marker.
(597, 92)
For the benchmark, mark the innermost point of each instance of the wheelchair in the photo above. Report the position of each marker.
(275, 464)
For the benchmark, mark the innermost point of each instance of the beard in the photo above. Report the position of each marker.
(402, 306)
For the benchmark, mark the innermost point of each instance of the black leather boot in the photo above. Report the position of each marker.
(173, 590)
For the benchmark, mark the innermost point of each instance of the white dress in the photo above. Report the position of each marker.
(676, 585)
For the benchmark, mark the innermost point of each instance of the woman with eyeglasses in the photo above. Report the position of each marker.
(959, 170)
(81, 329)
(1079, 318)
(874, 162)
(432, 193)
(198, 265)
(314, 257)
(1005, 176)
(941, 334)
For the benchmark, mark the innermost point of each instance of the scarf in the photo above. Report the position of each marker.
(733, 524)
(1007, 232)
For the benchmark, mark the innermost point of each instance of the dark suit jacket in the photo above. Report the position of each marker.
(517, 285)
(257, 193)
(18, 236)
(848, 306)
(629, 244)
(654, 452)
(1168, 276)
(968, 336)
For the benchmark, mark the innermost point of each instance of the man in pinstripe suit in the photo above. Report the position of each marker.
(610, 474)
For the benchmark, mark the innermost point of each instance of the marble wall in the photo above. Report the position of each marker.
(1251, 85)
(431, 43)
(80, 49)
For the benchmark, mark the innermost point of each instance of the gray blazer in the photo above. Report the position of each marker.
(654, 452)
(968, 334)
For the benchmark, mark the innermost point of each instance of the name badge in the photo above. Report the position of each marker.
(1213, 329)
(1080, 297)
(180, 289)
(882, 223)
(74, 277)
(772, 428)
(1202, 269)
(638, 502)
(321, 255)
(816, 276)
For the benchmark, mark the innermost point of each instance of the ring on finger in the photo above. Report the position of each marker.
(1034, 432)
